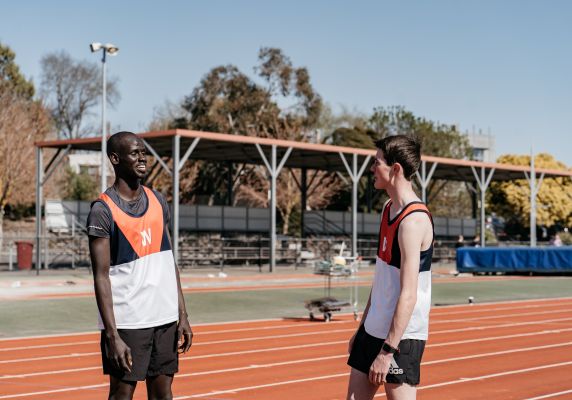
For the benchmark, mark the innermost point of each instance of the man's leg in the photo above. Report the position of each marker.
(121, 390)
(159, 387)
(400, 391)
(360, 388)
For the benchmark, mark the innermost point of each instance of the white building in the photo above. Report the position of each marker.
(86, 162)
(483, 146)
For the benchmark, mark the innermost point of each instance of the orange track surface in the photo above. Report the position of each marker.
(512, 350)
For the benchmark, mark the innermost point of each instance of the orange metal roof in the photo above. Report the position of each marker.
(241, 149)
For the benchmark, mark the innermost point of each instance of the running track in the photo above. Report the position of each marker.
(501, 351)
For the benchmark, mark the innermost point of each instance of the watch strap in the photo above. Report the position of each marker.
(388, 348)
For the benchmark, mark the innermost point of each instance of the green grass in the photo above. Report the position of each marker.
(38, 317)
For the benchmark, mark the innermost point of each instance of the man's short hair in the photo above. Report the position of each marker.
(401, 149)
(114, 141)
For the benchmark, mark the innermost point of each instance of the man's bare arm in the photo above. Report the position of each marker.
(411, 233)
(100, 261)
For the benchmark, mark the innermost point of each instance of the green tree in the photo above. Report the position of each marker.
(279, 102)
(436, 139)
(511, 199)
(351, 137)
(79, 186)
(11, 79)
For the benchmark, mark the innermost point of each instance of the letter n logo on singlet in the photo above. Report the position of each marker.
(146, 235)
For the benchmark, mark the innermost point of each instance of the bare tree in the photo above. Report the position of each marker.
(166, 116)
(71, 90)
(254, 188)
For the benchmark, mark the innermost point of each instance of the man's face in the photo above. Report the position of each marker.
(132, 158)
(381, 171)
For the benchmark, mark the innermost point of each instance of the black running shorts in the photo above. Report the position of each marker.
(153, 352)
(406, 368)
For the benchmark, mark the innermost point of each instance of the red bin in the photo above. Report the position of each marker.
(25, 250)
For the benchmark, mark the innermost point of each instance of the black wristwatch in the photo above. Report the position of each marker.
(388, 348)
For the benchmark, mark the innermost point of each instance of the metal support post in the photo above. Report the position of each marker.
(39, 195)
(483, 183)
(355, 183)
(273, 210)
(273, 171)
(229, 184)
(534, 188)
(355, 176)
(425, 178)
(304, 199)
(175, 175)
(11, 257)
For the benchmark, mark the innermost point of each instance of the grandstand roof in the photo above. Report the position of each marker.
(242, 149)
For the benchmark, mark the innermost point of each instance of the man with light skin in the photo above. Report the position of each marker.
(388, 345)
(143, 319)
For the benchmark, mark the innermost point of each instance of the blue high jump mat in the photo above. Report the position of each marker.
(515, 259)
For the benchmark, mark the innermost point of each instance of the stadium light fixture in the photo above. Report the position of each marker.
(112, 50)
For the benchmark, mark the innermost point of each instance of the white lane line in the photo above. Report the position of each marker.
(547, 396)
(550, 299)
(302, 334)
(507, 325)
(68, 389)
(59, 371)
(43, 346)
(516, 307)
(299, 361)
(288, 327)
(496, 353)
(525, 314)
(486, 339)
(353, 329)
(494, 338)
(258, 366)
(234, 353)
(478, 378)
(458, 381)
(238, 322)
(505, 373)
(51, 357)
(473, 307)
(242, 389)
(49, 346)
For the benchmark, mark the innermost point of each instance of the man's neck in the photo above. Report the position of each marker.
(402, 195)
(127, 190)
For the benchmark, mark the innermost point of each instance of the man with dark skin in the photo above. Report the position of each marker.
(137, 285)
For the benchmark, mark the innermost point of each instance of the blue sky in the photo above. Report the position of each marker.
(503, 66)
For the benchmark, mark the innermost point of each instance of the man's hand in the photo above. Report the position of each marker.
(379, 368)
(184, 334)
(119, 353)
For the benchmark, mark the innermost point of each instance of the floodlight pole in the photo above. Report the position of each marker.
(103, 121)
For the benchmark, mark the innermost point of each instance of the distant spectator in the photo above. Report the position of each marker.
(556, 241)
(460, 242)
(476, 241)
